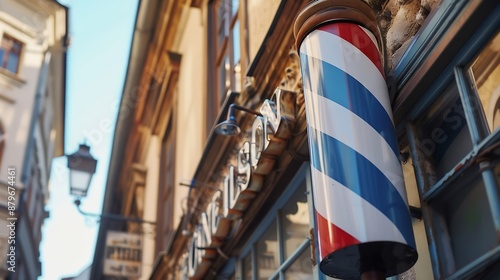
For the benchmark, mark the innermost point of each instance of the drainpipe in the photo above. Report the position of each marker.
(362, 220)
(40, 90)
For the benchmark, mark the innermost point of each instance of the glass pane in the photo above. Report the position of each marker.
(247, 267)
(470, 224)
(224, 78)
(492, 273)
(267, 252)
(234, 6)
(485, 73)
(221, 22)
(295, 220)
(2, 58)
(16, 48)
(236, 42)
(301, 268)
(444, 137)
(236, 56)
(12, 62)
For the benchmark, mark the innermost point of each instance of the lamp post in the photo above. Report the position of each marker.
(82, 166)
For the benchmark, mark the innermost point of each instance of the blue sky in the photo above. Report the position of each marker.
(101, 34)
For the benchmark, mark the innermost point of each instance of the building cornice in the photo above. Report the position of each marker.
(143, 32)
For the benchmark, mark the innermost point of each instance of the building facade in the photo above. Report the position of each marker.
(251, 206)
(32, 95)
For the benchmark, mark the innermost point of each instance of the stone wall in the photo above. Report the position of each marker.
(399, 21)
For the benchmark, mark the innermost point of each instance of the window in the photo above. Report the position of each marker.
(455, 149)
(444, 135)
(225, 68)
(484, 74)
(166, 189)
(10, 53)
(228, 47)
(281, 246)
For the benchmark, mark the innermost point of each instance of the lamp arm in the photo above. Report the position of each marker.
(111, 216)
(233, 106)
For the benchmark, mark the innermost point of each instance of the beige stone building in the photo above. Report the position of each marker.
(32, 92)
(243, 207)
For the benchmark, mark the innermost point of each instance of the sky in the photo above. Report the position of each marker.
(100, 32)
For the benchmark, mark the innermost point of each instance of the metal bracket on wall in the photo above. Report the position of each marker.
(416, 212)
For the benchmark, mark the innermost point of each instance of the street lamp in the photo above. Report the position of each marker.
(82, 166)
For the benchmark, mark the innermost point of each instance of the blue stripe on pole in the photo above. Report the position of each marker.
(355, 172)
(346, 91)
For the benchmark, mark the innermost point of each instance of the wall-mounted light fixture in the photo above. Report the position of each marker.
(82, 166)
(230, 127)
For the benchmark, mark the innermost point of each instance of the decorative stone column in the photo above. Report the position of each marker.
(363, 225)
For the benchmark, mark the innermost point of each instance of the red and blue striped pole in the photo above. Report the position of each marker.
(363, 224)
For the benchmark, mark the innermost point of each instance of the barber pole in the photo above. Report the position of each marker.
(362, 220)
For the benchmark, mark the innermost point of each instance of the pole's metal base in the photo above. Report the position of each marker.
(382, 256)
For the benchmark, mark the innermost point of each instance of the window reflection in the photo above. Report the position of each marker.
(444, 137)
(267, 252)
(301, 268)
(295, 220)
(247, 267)
(485, 73)
(284, 247)
(236, 56)
(470, 223)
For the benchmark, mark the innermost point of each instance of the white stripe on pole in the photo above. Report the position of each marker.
(371, 36)
(350, 212)
(355, 133)
(352, 61)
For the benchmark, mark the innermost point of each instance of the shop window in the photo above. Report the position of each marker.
(280, 248)
(10, 53)
(444, 137)
(469, 222)
(267, 252)
(295, 223)
(455, 149)
(246, 264)
(301, 267)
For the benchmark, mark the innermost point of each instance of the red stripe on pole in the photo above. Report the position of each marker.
(330, 237)
(358, 38)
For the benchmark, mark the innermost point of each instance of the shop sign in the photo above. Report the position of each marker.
(123, 254)
(255, 160)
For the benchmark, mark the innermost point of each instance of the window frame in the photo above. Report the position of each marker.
(5, 59)
(301, 178)
(166, 190)
(220, 48)
(225, 48)
(457, 72)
